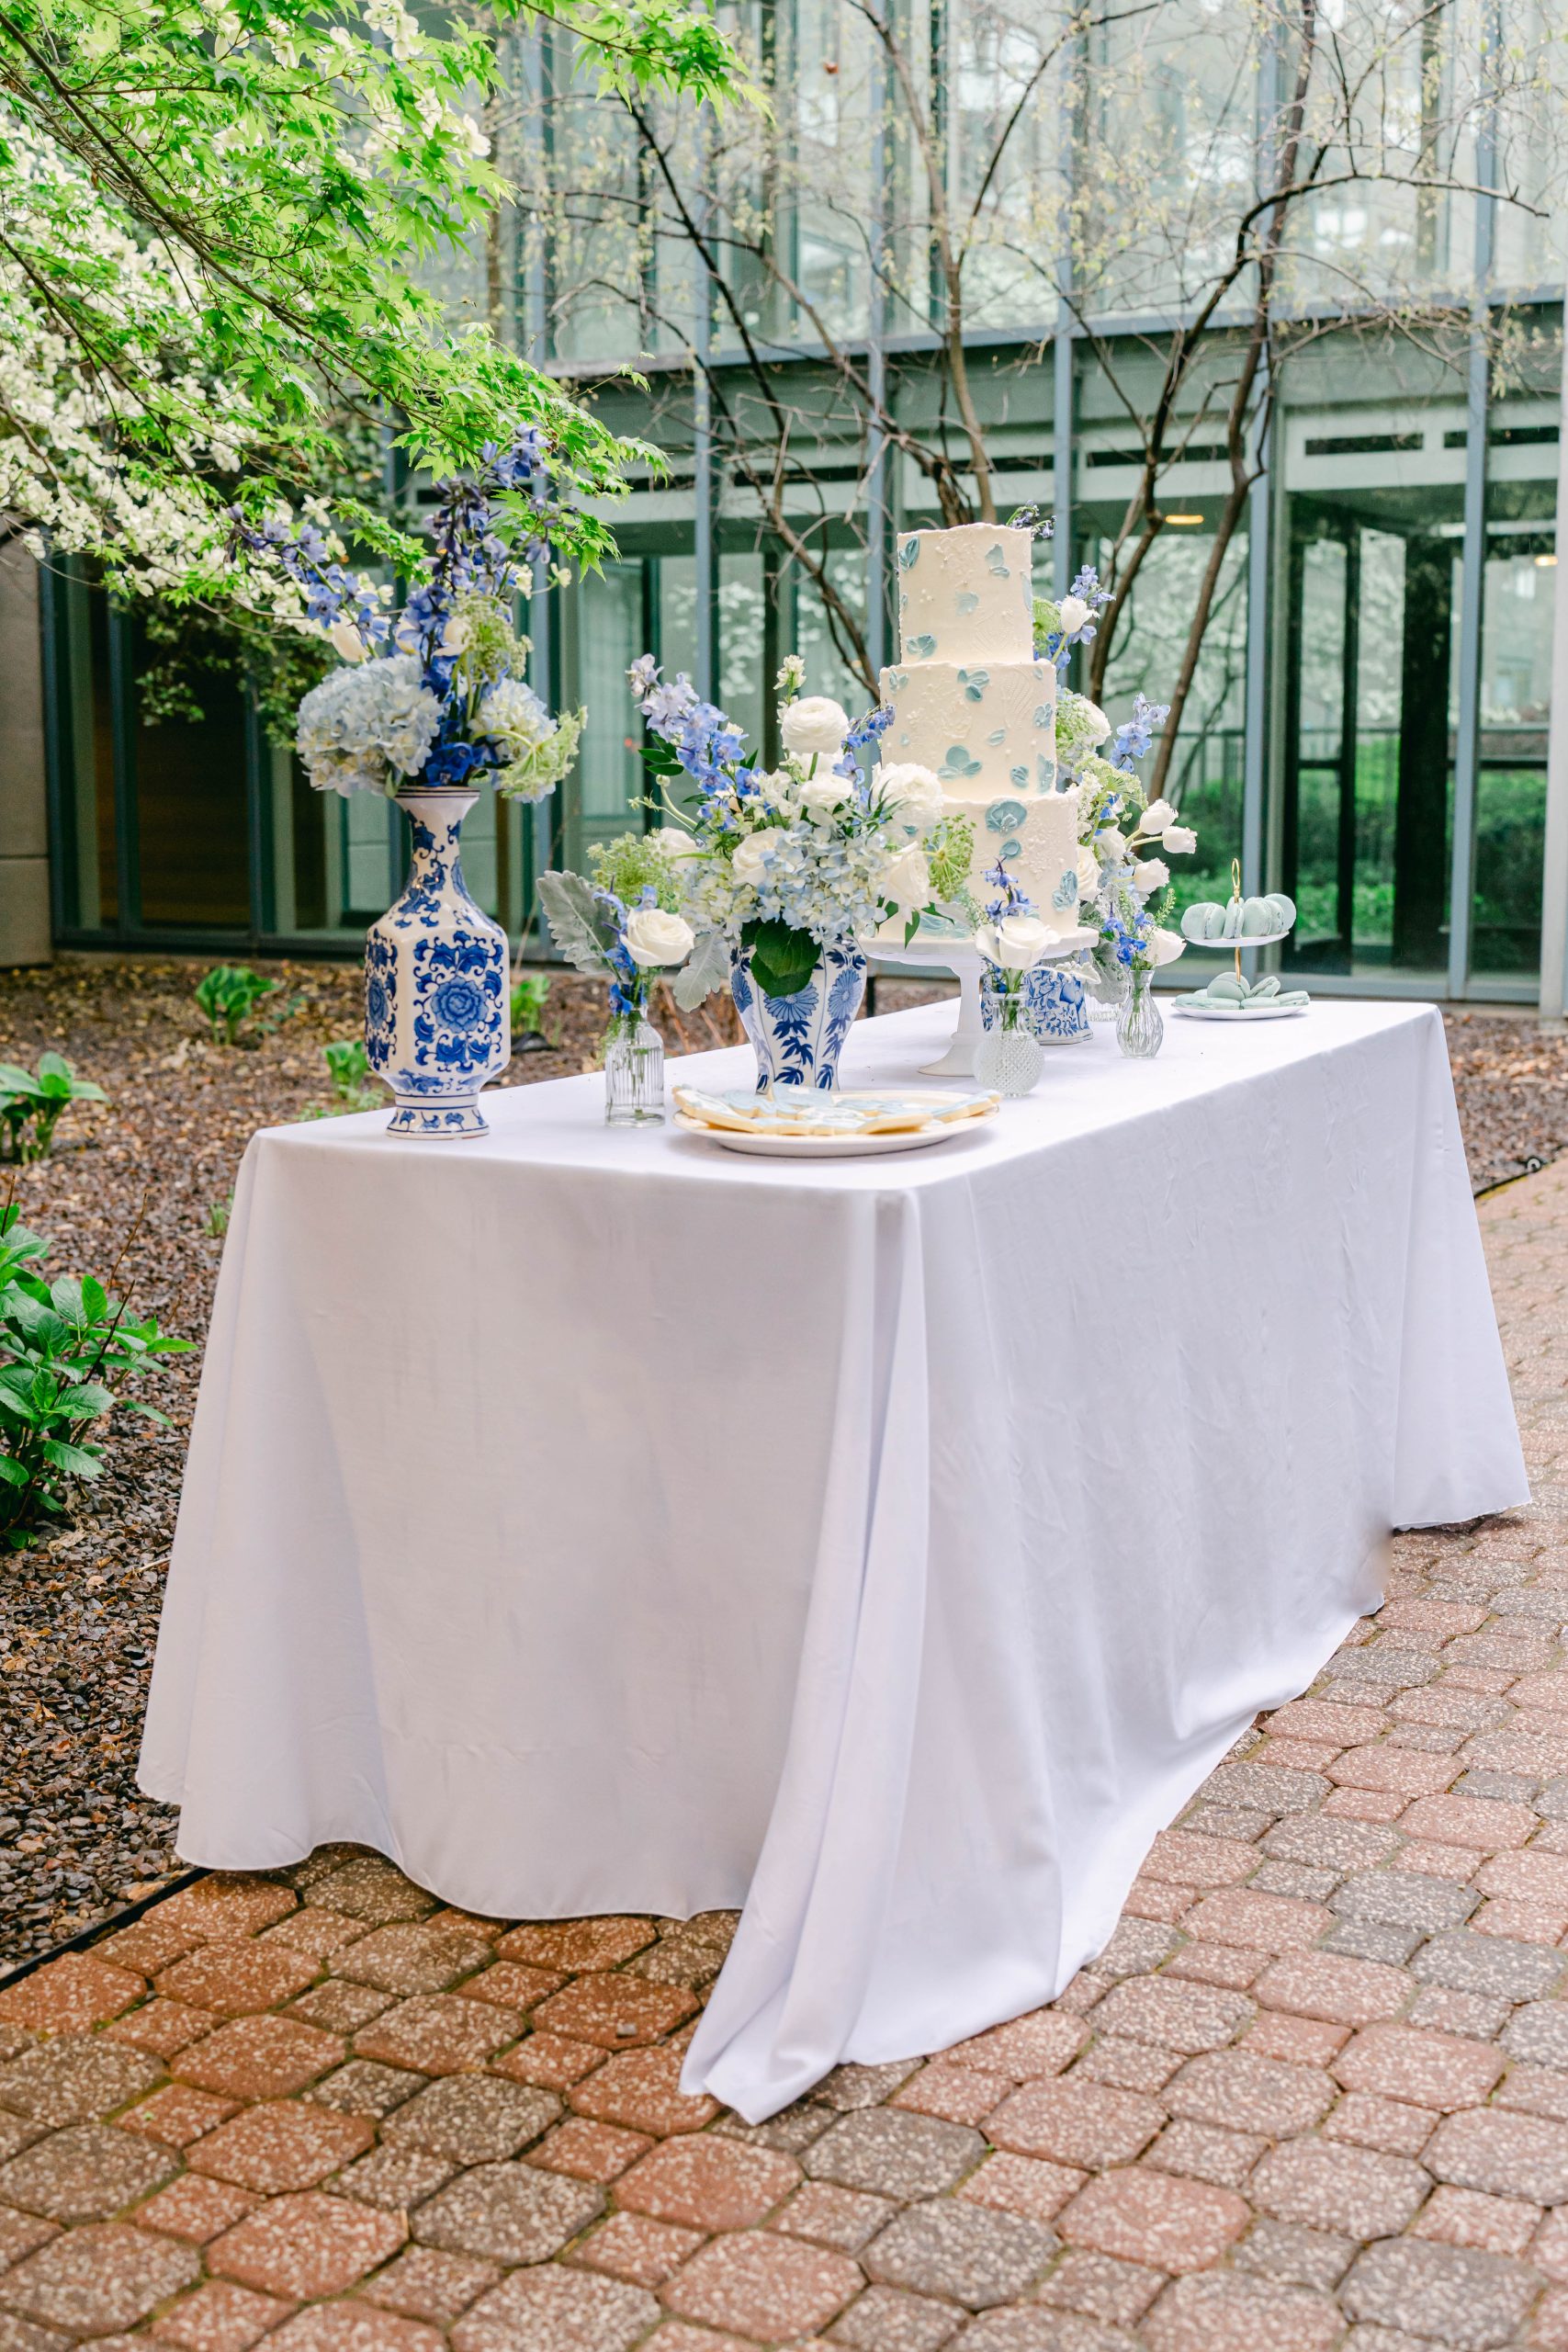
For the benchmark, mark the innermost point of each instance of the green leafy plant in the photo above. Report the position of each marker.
(529, 991)
(227, 995)
(216, 1222)
(348, 1066)
(67, 1347)
(32, 1103)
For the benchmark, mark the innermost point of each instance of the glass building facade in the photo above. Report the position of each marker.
(1369, 726)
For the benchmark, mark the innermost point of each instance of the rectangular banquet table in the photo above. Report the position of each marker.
(599, 1520)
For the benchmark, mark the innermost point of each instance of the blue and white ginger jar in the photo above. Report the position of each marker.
(797, 1039)
(1057, 1005)
(437, 1024)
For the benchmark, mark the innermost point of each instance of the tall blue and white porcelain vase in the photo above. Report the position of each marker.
(437, 1025)
(797, 1039)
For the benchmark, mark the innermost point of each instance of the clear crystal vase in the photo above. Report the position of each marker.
(633, 1072)
(1140, 1027)
(1009, 1057)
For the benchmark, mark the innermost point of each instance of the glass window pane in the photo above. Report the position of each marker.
(190, 806)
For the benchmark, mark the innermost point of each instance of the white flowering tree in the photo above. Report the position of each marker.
(211, 218)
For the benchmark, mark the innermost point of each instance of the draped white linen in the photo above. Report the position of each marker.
(596, 1521)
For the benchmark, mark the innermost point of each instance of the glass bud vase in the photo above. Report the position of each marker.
(1009, 1057)
(633, 1072)
(1140, 1029)
(1107, 992)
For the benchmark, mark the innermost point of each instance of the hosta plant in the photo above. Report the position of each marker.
(67, 1350)
(33, 1101)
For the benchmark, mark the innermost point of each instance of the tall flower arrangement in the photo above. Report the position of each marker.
(436, 695)
(788, 862)
(1125, 841)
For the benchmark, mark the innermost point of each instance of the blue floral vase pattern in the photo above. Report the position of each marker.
(437, 1026)
(1057, 1005)
(797, 1039)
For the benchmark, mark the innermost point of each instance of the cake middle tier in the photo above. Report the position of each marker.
(982, 727)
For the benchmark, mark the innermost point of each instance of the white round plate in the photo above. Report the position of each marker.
(826, 1146)
(1267, 1010)
(1224, 946)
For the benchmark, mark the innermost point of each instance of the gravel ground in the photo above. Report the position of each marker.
(149, 1173)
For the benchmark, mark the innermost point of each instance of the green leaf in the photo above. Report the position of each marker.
(76, 1461)
(706, 968)
(576, 923)
(12, 1472)
(783, 959)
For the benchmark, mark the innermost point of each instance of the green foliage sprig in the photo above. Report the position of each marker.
(227, 995)
(65, 1346)
(32, 1103)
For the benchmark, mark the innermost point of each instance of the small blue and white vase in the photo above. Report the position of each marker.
(1057, 1005)
(438, 1018)
(797, 1039)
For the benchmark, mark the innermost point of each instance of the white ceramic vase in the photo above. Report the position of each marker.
(436, 1013)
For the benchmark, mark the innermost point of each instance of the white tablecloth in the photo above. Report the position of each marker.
(597, 1521)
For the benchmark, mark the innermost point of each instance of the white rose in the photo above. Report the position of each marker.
(1088, 874)
(346, 642)
(1015, 942)
(1074, 612)
(822, 794)
(654, 937)
(1092, 719)
(1164, 946)
(454, 636)
(1149, 874)
(673, 842)
(912, 791)
(1157, 817)
(748, 865)
(1179, 840)
(815, 723)
(908, 881)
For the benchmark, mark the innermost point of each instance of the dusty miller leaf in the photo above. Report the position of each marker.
(574, 919)
(706, 968)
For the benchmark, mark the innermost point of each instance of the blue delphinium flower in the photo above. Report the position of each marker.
(1135, 735)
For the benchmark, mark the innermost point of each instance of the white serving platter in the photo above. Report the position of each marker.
(1267, 1010)
(779, 1146)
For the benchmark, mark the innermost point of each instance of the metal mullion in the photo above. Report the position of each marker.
(127, 813)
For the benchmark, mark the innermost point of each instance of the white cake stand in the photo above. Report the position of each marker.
(958, 958)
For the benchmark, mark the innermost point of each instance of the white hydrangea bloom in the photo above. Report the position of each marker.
(365, 729)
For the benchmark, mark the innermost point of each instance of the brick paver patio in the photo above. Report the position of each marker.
(1315, 2093)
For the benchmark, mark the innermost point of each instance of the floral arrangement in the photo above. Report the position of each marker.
(435, 695)
(786, 862)
(1124, 887)
(623, 924)
(1012, 940)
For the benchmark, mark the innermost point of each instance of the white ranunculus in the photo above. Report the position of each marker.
(815, 723)
(908, 881)
(747, 865)
(820, 794)
(1164, 946)
(1015, 942)
(346, 642)
(911, 792)
(1179, 840)
(1074, 612)
(673, 842)
(1157, 817)
(654, 937)
(1149, 874)
(1088, 874)
(777, 786)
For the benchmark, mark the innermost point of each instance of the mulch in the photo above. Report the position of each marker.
(144, 1180)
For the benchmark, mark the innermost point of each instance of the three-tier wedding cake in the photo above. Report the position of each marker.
(971, 701)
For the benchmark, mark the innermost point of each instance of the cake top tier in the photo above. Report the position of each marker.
(966, 595)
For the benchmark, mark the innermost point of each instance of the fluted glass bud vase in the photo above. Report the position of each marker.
(1140, 1029)
(633, 1070)
(1009, 1057)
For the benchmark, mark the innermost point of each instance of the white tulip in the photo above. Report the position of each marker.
(346, 642)
(1149, 874)
(1164, 946)
(654, 937)
(1179, 840)
(1110, 843)
(749, 862)
(1157, 817)
(821, 795)
(1074, 612)
(908, 881)
(1015, 942)
(912, 791)
(815, 723)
